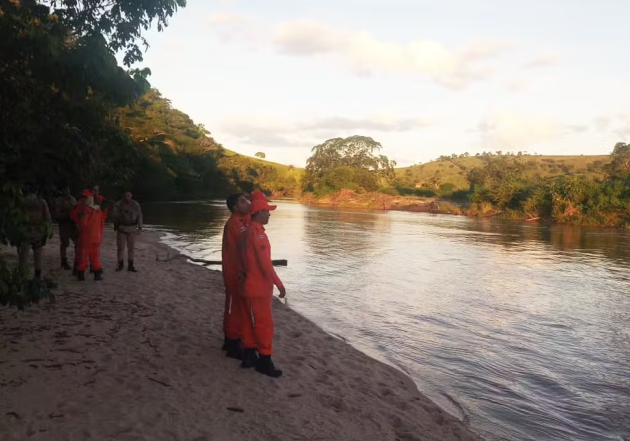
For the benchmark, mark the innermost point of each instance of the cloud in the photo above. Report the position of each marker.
(365, 54)
(507, 130)
(519, 86)
(543, 60)
(233, 27)
(277, 133)
(379, 124)
(617, 124)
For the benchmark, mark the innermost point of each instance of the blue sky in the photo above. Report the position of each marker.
(424, 78)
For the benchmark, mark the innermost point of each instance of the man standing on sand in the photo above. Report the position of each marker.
(62, 209)
(91, 219)
(37, 229)
(234, 229)
(128, 224)
(257, 289)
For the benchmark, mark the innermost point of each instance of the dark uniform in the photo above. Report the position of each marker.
(37, 230)
(62, 209)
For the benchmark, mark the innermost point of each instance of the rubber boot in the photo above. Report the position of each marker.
(250, 358)
(121, 265)
(81, 275)
(98, 275)
(64, 264)
(265, 366)
(234, 349)
(131, 268)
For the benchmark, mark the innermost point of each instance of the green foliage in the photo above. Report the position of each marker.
(389, 191)
(421, 192)
(260, 155)
(533, 167)
(120, 22)
(619, 166)
(352, 163)
(350, 178)
(60, 84)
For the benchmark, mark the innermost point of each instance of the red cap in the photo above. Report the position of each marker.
(260, 202)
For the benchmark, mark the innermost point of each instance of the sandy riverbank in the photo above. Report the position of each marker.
(137, 357)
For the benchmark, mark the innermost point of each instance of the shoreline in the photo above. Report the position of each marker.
(137, 357)
(415, 204)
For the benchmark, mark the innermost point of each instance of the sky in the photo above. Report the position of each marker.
(424, 78)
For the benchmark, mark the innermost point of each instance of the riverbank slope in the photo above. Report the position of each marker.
(137, 357)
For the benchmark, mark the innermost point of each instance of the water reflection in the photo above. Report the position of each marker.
(520, 329)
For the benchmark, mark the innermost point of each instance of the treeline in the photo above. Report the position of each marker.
(500, 188)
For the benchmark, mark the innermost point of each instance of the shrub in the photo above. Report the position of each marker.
(389, 191)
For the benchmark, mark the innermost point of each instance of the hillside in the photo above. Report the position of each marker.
(455, 169)
(283, 170)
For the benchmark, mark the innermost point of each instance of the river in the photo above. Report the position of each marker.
(521, 330)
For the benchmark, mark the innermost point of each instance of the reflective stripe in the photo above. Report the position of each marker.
(251, 314)
(230, 305)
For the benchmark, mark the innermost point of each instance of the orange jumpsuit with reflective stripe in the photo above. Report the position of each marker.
(91, 224)
(257, 289)
(232, 269)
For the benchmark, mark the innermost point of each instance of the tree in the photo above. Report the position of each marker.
(59, 86)
(260, 155)
(356, 151)
(120, 22)
(619, 166)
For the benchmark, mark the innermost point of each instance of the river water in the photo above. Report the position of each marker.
(521, 330)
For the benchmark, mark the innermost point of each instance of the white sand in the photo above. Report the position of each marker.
(137, 357)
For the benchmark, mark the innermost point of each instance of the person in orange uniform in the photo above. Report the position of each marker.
(259, 278)
(235, 227)
(91, 221)
(74, 215)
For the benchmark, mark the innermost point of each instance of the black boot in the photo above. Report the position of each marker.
(75, 272)
(131, 268)
(64, 264)
(98, 275)
(121, 265)
(81, 275)
(234, 349)
(265, 366)
(250, 358)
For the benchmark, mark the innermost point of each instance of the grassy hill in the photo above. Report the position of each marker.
(283, 170)
(455, 169)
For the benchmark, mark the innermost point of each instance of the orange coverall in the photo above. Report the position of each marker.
(257, 289)
(91, 225)
(232, 269)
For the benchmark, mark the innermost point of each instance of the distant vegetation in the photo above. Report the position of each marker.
(596, 196)
(353, 163)
(178, 159)
(588, 190)
(453, 170)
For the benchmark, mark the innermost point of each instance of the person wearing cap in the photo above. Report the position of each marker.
(259, 278)
(128, 224)
(91, 219)
(74, 214)
(235, 227)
